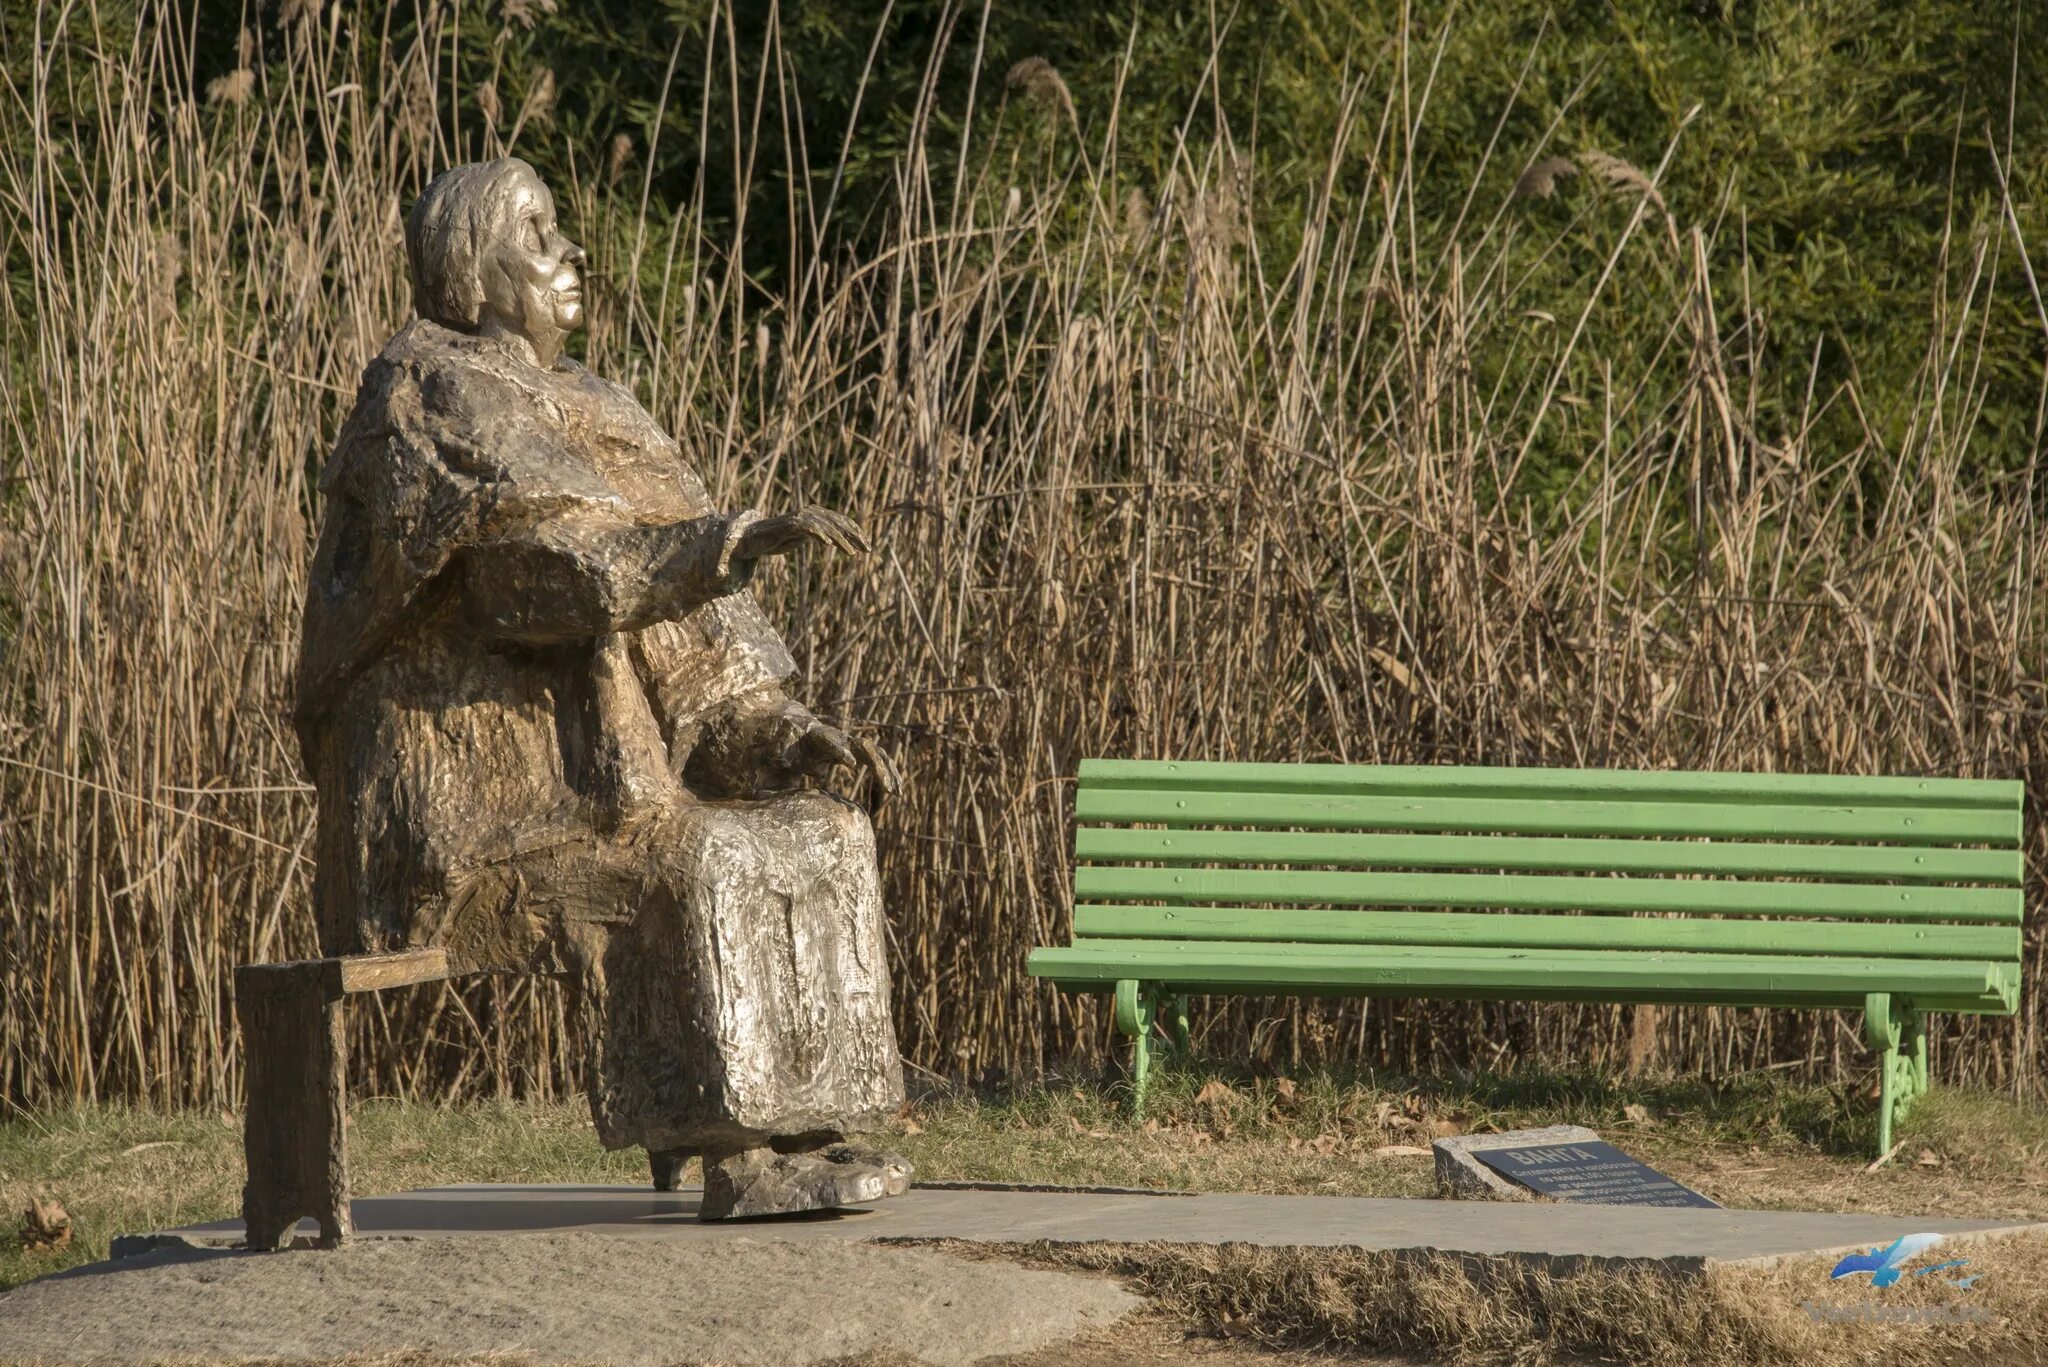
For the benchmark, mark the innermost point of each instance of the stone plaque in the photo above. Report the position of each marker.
(1590, 1172)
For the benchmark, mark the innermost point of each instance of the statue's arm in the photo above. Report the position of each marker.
(578, 576)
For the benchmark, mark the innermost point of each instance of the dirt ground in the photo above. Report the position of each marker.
(1159, 1337)
(565, 1298)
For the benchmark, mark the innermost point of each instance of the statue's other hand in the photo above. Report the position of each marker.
(823, 749)
(787, 532)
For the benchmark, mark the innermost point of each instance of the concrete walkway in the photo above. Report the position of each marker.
(1683, 1239)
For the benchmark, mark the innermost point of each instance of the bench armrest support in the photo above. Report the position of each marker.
(295, 1053)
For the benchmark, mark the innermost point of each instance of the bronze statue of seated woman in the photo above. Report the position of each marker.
(551, 732)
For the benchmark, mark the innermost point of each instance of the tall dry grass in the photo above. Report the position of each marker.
(1140, 488)
(1479, 1310)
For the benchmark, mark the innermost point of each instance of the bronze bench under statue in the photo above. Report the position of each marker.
(550, 731)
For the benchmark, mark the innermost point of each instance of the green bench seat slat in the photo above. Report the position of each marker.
(1548, 892)
(1481, 973)
(1457, 930)
(1632, 785)
(1558, 816)
(1556, 854)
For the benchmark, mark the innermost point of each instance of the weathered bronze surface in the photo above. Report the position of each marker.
(551, 729)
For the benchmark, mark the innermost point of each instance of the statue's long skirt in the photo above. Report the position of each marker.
(728, 969)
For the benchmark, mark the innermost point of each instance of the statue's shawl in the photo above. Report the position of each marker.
(454, 441)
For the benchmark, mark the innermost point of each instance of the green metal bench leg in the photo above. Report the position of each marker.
(1177, 1021)
(1913, 1040)
(1137, 1009)
(1881, 1033)
(1899, 1035)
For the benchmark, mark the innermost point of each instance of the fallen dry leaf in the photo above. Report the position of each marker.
(1150, 1126)
(1326, 1144)
(45, 1226)
(1283, 1091)
(1399, 1151)
(1215, 1090)
(1098, 1134)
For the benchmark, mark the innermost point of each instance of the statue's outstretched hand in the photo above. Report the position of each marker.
(881, 769)
(786, 532)
(822, 749)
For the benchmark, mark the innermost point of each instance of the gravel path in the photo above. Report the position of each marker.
(554, 1298)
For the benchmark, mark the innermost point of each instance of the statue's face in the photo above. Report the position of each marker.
(529, 278)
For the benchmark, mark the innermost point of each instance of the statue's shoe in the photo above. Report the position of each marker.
(895, 1167)
(756, 1182)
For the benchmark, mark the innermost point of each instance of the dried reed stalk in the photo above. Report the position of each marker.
(1140, 491)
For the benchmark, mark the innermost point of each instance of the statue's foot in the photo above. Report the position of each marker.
(896, 1169)
(756, 1182)
(666, 1165)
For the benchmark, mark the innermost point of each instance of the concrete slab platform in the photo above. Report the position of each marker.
(1685, 1239)
(569, 1300)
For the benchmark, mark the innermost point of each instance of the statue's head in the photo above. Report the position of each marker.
(487, 256)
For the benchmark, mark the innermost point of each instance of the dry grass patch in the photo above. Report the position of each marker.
(1499, 1310)
(1759, 1142)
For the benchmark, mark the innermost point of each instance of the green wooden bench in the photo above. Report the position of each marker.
(1889, 896)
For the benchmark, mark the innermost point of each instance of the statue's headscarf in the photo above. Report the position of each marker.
(458, 215)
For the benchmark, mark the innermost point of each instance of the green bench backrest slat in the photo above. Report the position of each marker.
(1561, 816)
(1549, 892)
(1511, 931)
(1634, 785)
(1770, 867)
(1557, 854)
